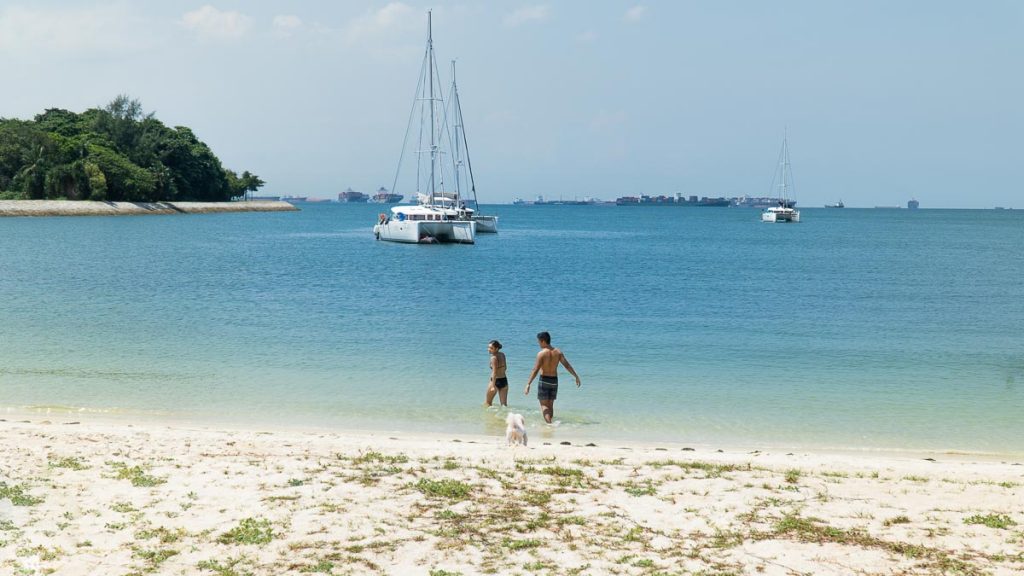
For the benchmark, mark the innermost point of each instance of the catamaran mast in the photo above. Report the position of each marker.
(430, 72)
(785, 164)
(460, 126)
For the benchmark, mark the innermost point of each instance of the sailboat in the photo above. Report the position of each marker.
(440, 216)
(484, 224)
(785, 211)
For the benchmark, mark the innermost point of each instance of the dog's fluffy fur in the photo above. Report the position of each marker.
(515, 429)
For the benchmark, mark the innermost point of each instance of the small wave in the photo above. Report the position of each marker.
(69, 409)
(87, 374)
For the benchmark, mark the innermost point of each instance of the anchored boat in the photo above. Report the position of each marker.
(784, 212)
(440, 216)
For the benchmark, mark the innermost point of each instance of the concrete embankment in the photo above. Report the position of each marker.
(90, 208)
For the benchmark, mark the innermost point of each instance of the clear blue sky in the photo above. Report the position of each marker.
(883, 100)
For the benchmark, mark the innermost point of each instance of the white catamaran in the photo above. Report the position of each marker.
(785, 211)
(440, 216)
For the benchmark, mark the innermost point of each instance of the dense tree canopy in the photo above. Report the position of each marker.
(116, 153)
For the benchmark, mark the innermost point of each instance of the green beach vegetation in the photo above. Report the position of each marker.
(115, 153)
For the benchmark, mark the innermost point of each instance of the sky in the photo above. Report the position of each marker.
(882, 101)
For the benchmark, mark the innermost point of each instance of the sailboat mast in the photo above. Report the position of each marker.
(458, 126)
(457, 107)
(785, 165)
(430, 72)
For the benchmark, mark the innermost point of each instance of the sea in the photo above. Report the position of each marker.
(856, 329)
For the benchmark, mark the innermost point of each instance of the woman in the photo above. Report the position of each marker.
(499, 383)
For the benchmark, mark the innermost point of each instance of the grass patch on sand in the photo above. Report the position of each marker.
(154, 558)
(710, 469)
(374, 457)
(225, 569)
(17, 495)
(136, 474)
(249, 531)
(69, 462)
(524, 544)
(321, 567)
(451, 489)
(123, 507)
(561, 472)
(536, 498)
(814, 530)
(1001, 521)
(166, 536)
(642, 489)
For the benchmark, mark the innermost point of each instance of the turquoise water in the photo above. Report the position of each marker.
(855, 328)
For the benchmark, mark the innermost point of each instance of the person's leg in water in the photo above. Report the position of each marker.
(491, 391)
(547, 409)
(503, 395)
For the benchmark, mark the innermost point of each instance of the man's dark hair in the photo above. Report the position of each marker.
(544, 337)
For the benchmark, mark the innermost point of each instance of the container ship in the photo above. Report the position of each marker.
(677, 200)
(384, 197)
(351, 195)
(762, 202)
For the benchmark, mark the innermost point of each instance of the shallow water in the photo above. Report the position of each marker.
(854, 328)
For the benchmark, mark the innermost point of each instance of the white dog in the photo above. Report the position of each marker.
(515, 429)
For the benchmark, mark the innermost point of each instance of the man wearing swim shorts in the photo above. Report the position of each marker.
(547, 363)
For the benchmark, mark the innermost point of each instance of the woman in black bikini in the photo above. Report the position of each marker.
(499, 383)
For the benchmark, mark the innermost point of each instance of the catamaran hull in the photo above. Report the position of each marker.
(773, 217)
(486, 224)
(418, 232)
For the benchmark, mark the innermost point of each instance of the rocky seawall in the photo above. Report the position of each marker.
(90, 208)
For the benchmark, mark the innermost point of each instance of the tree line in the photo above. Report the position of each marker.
(115, 153)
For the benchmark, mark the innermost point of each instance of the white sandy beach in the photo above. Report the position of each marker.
(92, 208)
(147, 498)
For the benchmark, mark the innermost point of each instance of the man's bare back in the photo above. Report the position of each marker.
(548, 360)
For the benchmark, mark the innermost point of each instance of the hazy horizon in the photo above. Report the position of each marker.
(883, 102)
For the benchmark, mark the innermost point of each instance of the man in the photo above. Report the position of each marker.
(548, 360)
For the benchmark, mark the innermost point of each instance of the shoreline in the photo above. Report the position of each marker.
(14, 208)
(59, 415)
(540, 435)
(77, 497)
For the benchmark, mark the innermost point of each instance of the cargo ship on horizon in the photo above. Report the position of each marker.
(762, 202)
(677, 200)
(384, 197)
(350, 195)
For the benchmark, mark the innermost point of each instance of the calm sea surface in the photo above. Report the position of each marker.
(856, 328)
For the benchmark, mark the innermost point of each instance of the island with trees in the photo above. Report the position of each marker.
(116, 155)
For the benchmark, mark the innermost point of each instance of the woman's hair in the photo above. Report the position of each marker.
(496, 344)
